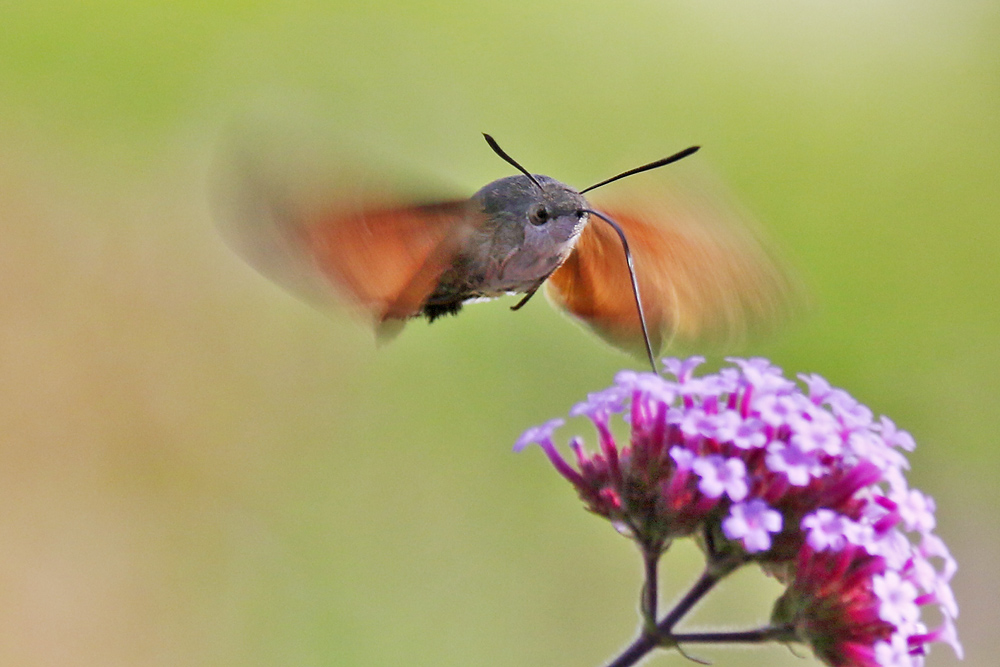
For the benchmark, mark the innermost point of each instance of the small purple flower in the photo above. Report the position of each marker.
(749, 434)
(683, 458)
(601, 403)
(898, 599)
(776, 409)
(894, 437)
(536, 435)
(852, 415)
(819, 388)
(682, 369)
(894, 653)
(697, 423)
(646, 382)
(752, 522)
(817, 430)
(869, 446)
(798, 466)
(825, 529)
(721, 476)
(762, 374)
(917, 511)
(725, 425)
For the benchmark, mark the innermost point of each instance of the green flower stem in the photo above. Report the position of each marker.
(717, 567)
(647, 641)
(650, 588)
(780, 633)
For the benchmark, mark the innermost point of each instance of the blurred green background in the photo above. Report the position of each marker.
(199, 469)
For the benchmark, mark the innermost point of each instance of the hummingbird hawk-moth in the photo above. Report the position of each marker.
(637, 272)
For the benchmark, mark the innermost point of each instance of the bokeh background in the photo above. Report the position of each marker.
(196, 468)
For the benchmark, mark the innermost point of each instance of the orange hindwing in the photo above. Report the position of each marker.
(697, 278)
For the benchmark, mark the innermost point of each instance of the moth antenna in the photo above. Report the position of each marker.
(635, 283)
(646, 167)
(509, 160)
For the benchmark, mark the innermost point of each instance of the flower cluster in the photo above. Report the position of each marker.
(805, 482)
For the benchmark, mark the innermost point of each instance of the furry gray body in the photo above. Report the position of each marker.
(520, 235)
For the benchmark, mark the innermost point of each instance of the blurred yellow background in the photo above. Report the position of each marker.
(198, 469)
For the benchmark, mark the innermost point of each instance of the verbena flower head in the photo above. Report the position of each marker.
(804, 481)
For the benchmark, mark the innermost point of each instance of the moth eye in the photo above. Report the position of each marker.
(539, 215)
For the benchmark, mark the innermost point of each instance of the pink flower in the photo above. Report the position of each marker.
(807, 483)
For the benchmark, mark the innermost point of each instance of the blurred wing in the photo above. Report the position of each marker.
(699, 278)
(388, 260)
(385, 258)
